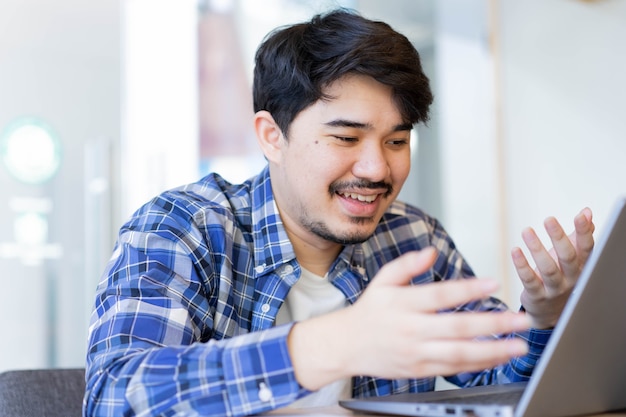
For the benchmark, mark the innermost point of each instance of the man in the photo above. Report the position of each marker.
(297, 285)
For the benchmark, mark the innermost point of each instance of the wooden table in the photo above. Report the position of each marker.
(339, 411)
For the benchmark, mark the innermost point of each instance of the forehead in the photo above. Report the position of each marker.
(359, 96)
(355, 85)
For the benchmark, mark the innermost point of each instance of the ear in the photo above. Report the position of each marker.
(269, 135)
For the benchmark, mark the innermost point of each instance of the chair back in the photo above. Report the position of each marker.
(42, 393)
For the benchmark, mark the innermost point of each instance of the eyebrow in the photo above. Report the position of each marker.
(365, 126)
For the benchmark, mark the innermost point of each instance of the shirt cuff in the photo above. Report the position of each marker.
(522, 368)
(258, 371)
(538, 339)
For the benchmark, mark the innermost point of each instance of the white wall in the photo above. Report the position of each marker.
(159, 146)
(532, 120)
(563, 87)
(465, 101)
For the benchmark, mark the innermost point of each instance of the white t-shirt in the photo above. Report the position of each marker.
(311, 296)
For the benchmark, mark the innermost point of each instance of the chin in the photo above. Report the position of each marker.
(347, 237)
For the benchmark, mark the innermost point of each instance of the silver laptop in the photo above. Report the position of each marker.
(583, 367)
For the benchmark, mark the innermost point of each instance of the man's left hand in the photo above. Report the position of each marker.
(548, 286)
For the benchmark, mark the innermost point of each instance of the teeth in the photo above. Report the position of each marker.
(363, 198)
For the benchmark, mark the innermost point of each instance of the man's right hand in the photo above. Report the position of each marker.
(394, 330)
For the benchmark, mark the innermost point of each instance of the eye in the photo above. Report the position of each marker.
(398, 142)
(346, 139)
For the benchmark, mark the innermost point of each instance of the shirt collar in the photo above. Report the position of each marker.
(272, 247)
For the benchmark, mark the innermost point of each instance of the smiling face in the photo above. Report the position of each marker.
(344, 161)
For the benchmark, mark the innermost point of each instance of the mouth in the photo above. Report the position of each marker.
(368, 199)
(361, 190)
(361, 199)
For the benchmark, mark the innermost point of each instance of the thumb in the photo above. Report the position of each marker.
(401, 270)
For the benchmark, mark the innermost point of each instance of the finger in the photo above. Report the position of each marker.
(401, 270)
(546, 265)
(471, 325)
(430, 298)
(563, 248)
(453, 357)
(588, 214)
(584, 228)
(530, 280)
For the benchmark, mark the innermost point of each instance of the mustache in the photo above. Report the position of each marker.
(361, 184)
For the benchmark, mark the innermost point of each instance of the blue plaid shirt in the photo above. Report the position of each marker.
(184, 316)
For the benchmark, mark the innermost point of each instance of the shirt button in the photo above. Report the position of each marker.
(259, 269)
(265, 394)
(288, 269)
(265, 308)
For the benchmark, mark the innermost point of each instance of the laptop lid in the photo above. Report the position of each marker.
(583, 367)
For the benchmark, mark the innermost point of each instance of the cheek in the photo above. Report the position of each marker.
(306, 168)
(319, 163)
(400, 169)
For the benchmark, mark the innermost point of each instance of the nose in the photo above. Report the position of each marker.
(371, 163)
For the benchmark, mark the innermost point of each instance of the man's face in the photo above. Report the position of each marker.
(342, 164)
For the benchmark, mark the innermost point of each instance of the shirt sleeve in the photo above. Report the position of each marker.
(151, 349)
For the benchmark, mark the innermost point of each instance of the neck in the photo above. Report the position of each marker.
(315, 258)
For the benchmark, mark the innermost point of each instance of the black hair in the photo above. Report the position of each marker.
(294, 64)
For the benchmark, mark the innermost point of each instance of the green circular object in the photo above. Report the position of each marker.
(30, 150)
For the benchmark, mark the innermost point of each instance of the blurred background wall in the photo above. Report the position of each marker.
(59, 68)
(103, 104)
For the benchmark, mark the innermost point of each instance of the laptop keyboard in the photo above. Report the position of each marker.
(501, 398)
